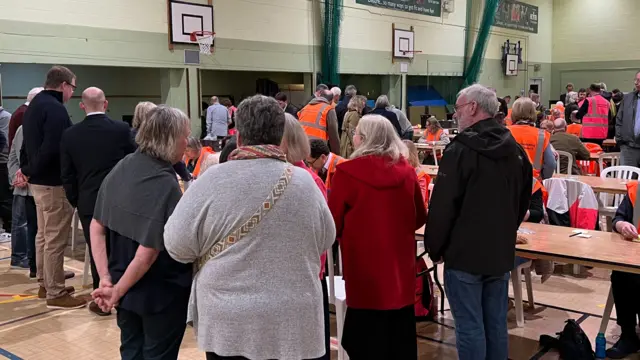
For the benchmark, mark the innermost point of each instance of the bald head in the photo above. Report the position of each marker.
(559, 124)
(93, 100)
(327, 95)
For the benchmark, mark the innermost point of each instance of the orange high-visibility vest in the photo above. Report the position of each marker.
(424, 180)
(206, 150)
(335, 161)
(574, 129)
(632, 191)
(313, 119)
(433, 137)
(533, 141)
(537, 185)
(595, 124)
(507, 118)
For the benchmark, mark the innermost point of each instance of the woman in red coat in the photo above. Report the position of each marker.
(377, 206)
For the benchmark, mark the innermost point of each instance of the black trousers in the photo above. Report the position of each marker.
(626, 291)
(152, 337)
(380, 334)
(85, 220)
(6, 198)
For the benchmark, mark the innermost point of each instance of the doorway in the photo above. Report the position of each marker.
(535, 85)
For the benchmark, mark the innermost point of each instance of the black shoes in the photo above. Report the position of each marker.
(626, 346)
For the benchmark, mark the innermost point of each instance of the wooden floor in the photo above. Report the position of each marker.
(28, 330)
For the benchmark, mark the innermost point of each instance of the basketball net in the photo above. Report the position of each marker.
(205, 40)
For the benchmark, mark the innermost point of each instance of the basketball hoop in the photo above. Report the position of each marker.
(204, 40)
(411, 52)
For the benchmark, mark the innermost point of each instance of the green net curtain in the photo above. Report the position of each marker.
(472, 70)
(331, 45)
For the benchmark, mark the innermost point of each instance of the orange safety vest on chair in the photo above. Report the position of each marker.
(574, 129)
(206, 150)
(537, 185)
(632, 191)
(595, 124)
(533, 141)
(335, 161)
(433, 137)
(313, 119)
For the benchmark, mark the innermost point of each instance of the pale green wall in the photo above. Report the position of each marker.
(124, 87)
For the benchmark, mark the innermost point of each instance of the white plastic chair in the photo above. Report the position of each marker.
(608, 202)
(75, 226)
(516, 280)
(569, 157)
(338, 297)
(613, 158)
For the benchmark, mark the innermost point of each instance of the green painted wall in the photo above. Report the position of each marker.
(616, 74)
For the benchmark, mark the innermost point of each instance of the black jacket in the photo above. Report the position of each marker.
(88, 152)
(625, 121)
(391, 116)
(481, 196)
(290, 109)
(44, 122)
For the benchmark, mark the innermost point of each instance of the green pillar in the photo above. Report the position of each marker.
(392, 86)
(179, 89)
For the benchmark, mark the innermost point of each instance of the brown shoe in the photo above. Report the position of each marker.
(94, 308)
(42, 292)
(69, 274)
(66, 301)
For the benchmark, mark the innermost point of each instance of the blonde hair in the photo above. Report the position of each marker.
(524, 109)
(413, 158)
(379, 138)
(194, 143)
(141, 112)
(159, 133)
(433, 121)
(357, 103)
(294, 140)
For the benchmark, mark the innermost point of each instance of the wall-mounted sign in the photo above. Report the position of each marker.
(423, 7)
(517, 16)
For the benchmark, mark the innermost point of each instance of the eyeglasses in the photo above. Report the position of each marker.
(72, 86)
(311, 163)
(458, 107)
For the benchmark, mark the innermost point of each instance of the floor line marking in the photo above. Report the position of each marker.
(56, 313)
(9, 355)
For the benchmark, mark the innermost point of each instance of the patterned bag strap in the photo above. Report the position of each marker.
(250, 224)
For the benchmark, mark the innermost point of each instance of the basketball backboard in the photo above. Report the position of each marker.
(403, 43)
(185, 18)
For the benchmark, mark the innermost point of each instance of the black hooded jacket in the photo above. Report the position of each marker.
(481, 196)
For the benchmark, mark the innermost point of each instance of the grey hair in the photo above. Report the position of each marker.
(382, 102)
(379, 138)
(194, 143)
(603, 86)
(295, 141)
(484, 97)
(357, 103)
(350, 90)
(159, 132)
(215, 100)
(35, 91)
(321, 87)
(336, 91)
(327, 95)
(141, 113)
(572, 97)
(260, 121)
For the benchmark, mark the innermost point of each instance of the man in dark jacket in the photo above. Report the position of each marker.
(381, 109)
(283, 100)
(626, 286)
(480, 198)
(44, 122)
(628, 127)
(88, 152)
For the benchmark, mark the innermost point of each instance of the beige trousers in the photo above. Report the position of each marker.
(54, 228)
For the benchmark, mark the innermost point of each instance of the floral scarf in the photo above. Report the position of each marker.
(258, 152)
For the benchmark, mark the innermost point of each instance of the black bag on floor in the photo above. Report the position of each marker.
(572, 343)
